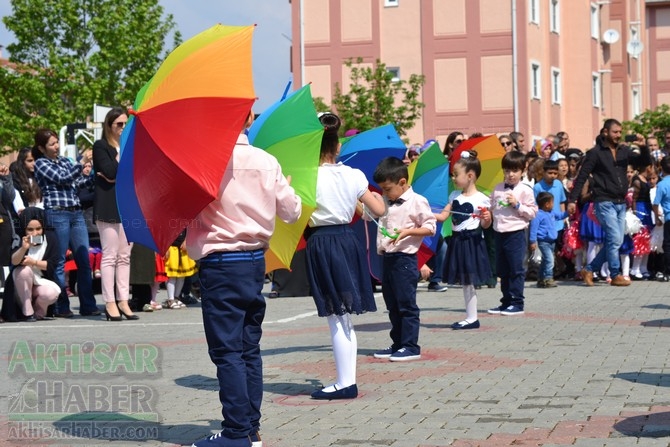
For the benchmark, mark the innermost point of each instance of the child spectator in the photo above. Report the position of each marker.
(177, 266)
(513, 207)
(641, 185)
(543, 235)
(467, 257)
(552, 185)
(662, 204)
(411, 215)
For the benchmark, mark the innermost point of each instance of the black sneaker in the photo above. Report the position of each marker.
(496, 310)
(189, 299)
(437, 287)
(384, 353)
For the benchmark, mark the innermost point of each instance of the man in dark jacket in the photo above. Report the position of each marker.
(606, 165)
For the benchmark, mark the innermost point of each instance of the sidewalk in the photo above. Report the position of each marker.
(583, 367)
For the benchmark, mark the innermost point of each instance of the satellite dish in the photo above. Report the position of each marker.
(634, 48)
(611, 36)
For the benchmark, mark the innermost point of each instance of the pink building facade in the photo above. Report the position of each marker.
(492, 66)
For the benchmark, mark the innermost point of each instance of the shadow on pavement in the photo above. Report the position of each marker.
(655, 425)
(373, 327)
(656, 323)
(198, 382)
(645, 378)
(656, 306)
(112, 426)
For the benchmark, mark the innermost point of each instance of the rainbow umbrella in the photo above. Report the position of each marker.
(429, 177)
(181, 134)
(365, 150)
(490, 153)
(291, 131)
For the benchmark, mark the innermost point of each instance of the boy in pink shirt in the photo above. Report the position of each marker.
(513, 207)
(410, 216)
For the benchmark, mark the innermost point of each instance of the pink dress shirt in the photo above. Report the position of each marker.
(253, 191)
(414, 212)
(506, 218)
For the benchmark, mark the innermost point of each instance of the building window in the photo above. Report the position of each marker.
(391, 3)
(395, 72)
(534, 12)
(637, 102)
(535, 80)
(595, 89)
(556, 91)
(595, 21)
(555, 16)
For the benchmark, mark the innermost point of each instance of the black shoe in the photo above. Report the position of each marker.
(350, 392)
(67, 314)
(30, 319)
(93, 313)
(112, 318)
(129, 317)
(465, 325)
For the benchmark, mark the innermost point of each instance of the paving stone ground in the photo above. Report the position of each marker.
(583, 367)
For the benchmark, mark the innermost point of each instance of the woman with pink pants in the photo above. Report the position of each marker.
(115, 264)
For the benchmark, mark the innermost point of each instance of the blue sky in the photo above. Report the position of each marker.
(271, 37)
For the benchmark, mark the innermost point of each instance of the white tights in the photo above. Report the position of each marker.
(345, 349)
(470, 295)
(173, 287)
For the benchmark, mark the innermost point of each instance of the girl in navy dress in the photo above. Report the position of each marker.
(336, 267)
(467, 259)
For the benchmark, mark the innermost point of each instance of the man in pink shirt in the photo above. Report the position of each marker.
(230, 237)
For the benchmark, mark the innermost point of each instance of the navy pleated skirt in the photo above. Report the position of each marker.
(338, 272)
(467, 260)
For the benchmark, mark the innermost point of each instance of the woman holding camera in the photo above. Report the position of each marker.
(60, 180)
(34, 264)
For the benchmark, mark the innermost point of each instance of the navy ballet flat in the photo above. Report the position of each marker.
(350, 392)
(463, 325)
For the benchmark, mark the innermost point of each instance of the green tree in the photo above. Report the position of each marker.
(70, 54)
(651, 122)
(376, 98)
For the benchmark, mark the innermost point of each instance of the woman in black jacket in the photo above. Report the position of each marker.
(115, 264)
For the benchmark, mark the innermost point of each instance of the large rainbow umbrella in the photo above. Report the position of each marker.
(180, 137)
(429, 177)
(291, 131)
(365, 150)
(490, 153)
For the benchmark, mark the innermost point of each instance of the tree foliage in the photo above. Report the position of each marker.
(376, 98)
(651, 122)
(70, 54)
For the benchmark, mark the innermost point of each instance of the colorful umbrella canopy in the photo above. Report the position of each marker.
(291, 131)
(179, 139)
(490, 153)
(429, 177)
(365, 150)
